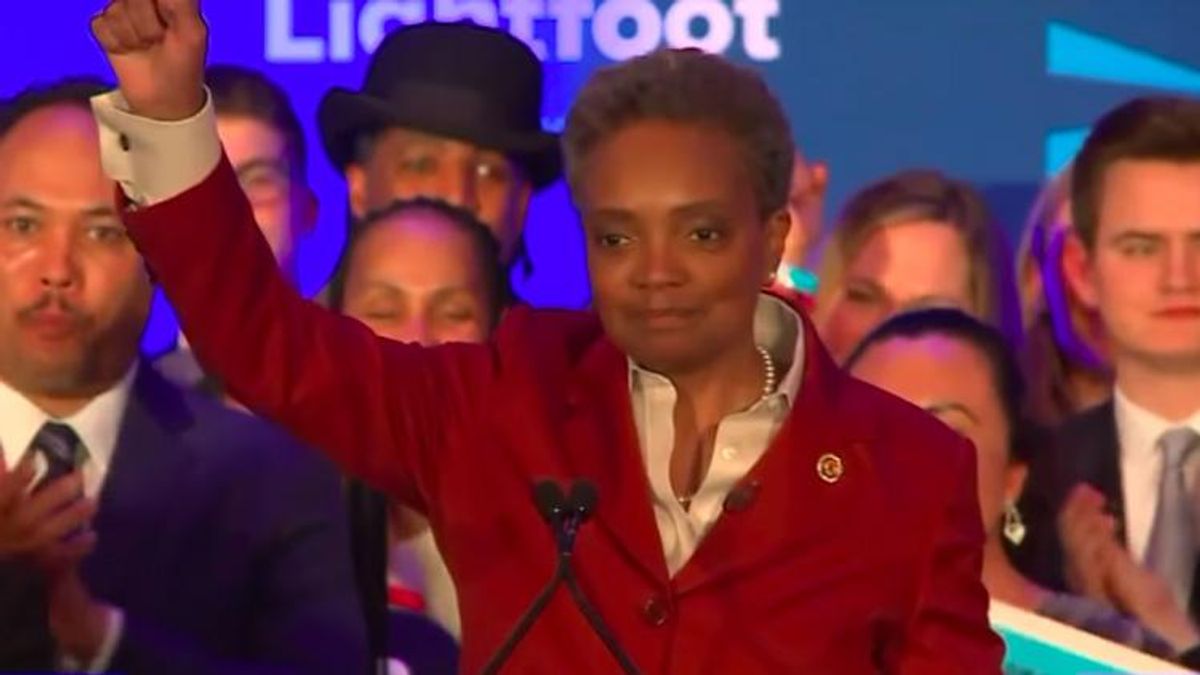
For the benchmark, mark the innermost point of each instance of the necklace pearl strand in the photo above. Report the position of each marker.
(770, 382)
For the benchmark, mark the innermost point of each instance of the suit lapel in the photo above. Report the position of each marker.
(601, 443)
(138, 497)
(783, 502)
(1098, 452)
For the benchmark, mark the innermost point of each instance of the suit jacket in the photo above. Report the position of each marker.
(874, 570)
(224, 543)
(1086, 449)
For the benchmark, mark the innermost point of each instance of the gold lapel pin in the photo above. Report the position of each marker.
(830, 468)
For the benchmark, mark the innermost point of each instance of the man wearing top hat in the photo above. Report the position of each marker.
(451, 111)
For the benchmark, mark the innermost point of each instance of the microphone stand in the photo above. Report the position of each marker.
(564, 515)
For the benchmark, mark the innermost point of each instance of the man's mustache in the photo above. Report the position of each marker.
(52, 301)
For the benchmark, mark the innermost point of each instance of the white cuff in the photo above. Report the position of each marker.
(154, 161)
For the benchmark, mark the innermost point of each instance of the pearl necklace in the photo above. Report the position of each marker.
(770, 382)
(769, 377)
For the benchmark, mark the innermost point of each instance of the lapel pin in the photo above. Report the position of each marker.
(830, 468)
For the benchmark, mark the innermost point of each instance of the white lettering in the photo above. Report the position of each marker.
(341, 31)
(521, 14)
(606, 28)
(756, 28)
(482, 12)
(618, 29)
(282, 45)
(373, 21)
(568, 38)
(718, 30)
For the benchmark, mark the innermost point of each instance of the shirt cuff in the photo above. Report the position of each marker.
(114, 627)
(152, 160)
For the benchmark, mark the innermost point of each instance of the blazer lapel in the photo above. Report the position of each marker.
(601, 444)
(1097, 450)
(138, 497)
(784, 502)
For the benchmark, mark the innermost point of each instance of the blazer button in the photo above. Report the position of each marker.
(655, 611)
(741, 497)
(123, 140)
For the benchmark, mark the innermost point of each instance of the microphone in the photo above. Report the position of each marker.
(550, 501)
(564, 513)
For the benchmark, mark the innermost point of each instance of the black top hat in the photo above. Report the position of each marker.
(459, 80)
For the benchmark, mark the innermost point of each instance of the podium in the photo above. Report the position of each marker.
(1040, 646)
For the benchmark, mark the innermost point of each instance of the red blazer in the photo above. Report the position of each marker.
(875, 572)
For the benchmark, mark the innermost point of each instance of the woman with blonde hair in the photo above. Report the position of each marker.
(1064, 355)
(917, 238)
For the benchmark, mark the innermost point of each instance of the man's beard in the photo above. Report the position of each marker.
(68, 369)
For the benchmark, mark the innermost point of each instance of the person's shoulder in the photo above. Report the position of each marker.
(916, 459)
(1079, 440)
(897, 425)
(545, 332)
(1098, 419)
(220, 437)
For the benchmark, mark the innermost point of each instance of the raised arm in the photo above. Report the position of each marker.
(378, 408)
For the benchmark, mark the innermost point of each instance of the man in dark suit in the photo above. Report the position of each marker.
(142, 529)
(1125, 473)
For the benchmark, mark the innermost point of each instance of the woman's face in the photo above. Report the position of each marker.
(918, 263)
(677, 248)
(417, 277)
(952, 380)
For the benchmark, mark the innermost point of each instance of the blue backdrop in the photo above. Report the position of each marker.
(995, 91)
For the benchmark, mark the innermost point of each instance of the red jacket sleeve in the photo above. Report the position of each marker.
(949, 631)
(379, 408)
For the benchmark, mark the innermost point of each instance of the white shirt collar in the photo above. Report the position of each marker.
(98, 423)
(777, 327)
(1139, 430)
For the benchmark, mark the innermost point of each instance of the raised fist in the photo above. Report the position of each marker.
(157, 50)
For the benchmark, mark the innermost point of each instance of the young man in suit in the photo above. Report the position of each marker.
(759, 511)
(143, 529)
(1125, 473)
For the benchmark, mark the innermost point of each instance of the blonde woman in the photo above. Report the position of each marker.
(915, 239)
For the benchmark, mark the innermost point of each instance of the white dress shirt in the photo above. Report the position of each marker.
(1138, 432)
(740, 442)
(97, 424)
(154, 161)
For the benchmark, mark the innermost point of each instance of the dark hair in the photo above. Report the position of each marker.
(1024, 437)
(73, 91)
(1152, 127)
(242, 92)
(486, 247)
(686, 85)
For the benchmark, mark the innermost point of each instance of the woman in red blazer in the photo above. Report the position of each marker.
(760, 512)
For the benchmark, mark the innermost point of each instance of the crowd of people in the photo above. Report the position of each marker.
(790, 479)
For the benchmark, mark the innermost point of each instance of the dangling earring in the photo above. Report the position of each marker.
(1014, 527)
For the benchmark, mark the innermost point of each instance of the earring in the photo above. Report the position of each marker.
(1014, 527)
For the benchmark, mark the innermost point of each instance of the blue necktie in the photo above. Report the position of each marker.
(59, 445)
(1172, 549)
(25, 641)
